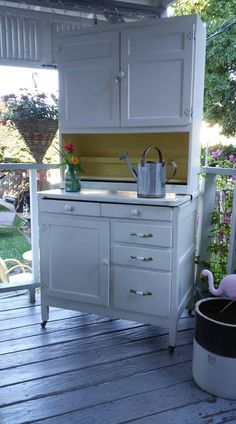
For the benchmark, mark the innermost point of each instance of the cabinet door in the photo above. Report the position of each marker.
(74, 255)
(89, 92)
(157, 83)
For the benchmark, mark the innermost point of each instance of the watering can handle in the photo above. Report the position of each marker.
(147, 150)
(174, 168)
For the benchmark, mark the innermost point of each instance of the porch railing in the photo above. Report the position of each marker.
(32, 168)
(207, 204)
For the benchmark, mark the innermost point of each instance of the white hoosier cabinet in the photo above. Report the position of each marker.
(103, 249)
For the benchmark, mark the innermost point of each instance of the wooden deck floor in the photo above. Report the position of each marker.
(85, 369)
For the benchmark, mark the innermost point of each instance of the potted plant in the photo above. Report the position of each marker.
(214, 350)
(35, 115)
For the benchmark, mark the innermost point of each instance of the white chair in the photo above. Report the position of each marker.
(16, 275)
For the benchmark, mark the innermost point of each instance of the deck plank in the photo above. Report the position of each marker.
(89, 369)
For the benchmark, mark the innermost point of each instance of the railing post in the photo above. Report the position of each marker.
(34, 225)
(208, 206)
(231, 265)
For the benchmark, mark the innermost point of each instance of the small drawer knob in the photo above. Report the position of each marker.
(134, 212)
(68, 208)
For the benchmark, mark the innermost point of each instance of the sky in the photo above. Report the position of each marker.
(12, 78)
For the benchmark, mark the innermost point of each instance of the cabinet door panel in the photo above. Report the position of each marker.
(88, 66)
(74, 258)
(157, 63)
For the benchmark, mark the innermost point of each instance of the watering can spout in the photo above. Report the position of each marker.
(124, 156)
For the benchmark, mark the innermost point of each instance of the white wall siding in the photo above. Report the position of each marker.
(27, 38)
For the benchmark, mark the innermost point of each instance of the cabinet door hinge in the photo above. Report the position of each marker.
(191, 35)
(59, 48)
(189, 112)
(43, 227)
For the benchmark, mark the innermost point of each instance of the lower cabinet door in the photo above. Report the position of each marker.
(141, 291)
(75, 258)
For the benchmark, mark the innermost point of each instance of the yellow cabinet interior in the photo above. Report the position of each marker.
(99, 154)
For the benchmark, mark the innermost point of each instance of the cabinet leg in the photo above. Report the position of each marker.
(43, 324)
(172, 335)
(171, 348)
(45, 315)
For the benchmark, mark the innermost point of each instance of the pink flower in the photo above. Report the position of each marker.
(216, 153)
(69, 148)
(227, 216)
(42, 96)
(9, 96)
(232, 158)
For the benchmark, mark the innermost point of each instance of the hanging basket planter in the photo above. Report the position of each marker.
(37, 135)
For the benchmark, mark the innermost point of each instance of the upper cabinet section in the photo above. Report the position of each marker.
(131, 76)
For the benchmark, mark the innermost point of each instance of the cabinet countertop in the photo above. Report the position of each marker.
(110, 196)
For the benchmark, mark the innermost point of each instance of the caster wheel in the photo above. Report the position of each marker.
(43, 324)
(171, 349)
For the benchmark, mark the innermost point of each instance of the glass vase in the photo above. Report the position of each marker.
(72, 179)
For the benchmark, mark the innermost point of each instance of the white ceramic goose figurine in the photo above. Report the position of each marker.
(226, 287)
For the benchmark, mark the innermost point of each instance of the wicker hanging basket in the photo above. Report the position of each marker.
(37, 134)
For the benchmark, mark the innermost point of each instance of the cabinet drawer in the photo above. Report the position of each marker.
(69, 207)
(154, 235)
(161, 213)
(141, 257)
(129, 284)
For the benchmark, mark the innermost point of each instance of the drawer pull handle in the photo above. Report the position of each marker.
(141, 293)
(68, 208)
(142, 258)
(143, 235)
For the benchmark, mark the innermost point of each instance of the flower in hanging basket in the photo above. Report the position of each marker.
(29, 106)
(35, 115)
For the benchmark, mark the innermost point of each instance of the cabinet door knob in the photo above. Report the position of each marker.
(105, 262)
(68, 208)
(119, 76)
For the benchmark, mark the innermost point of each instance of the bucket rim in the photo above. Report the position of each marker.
(198, 304)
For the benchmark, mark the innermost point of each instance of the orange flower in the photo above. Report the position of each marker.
(74, 160)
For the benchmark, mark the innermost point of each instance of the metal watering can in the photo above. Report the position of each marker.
(151, 176)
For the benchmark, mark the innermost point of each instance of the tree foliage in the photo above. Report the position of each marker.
(220, 77)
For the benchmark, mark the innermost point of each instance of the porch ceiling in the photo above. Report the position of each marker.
(120, 8)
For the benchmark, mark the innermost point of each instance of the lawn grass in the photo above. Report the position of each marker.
(13, 243)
